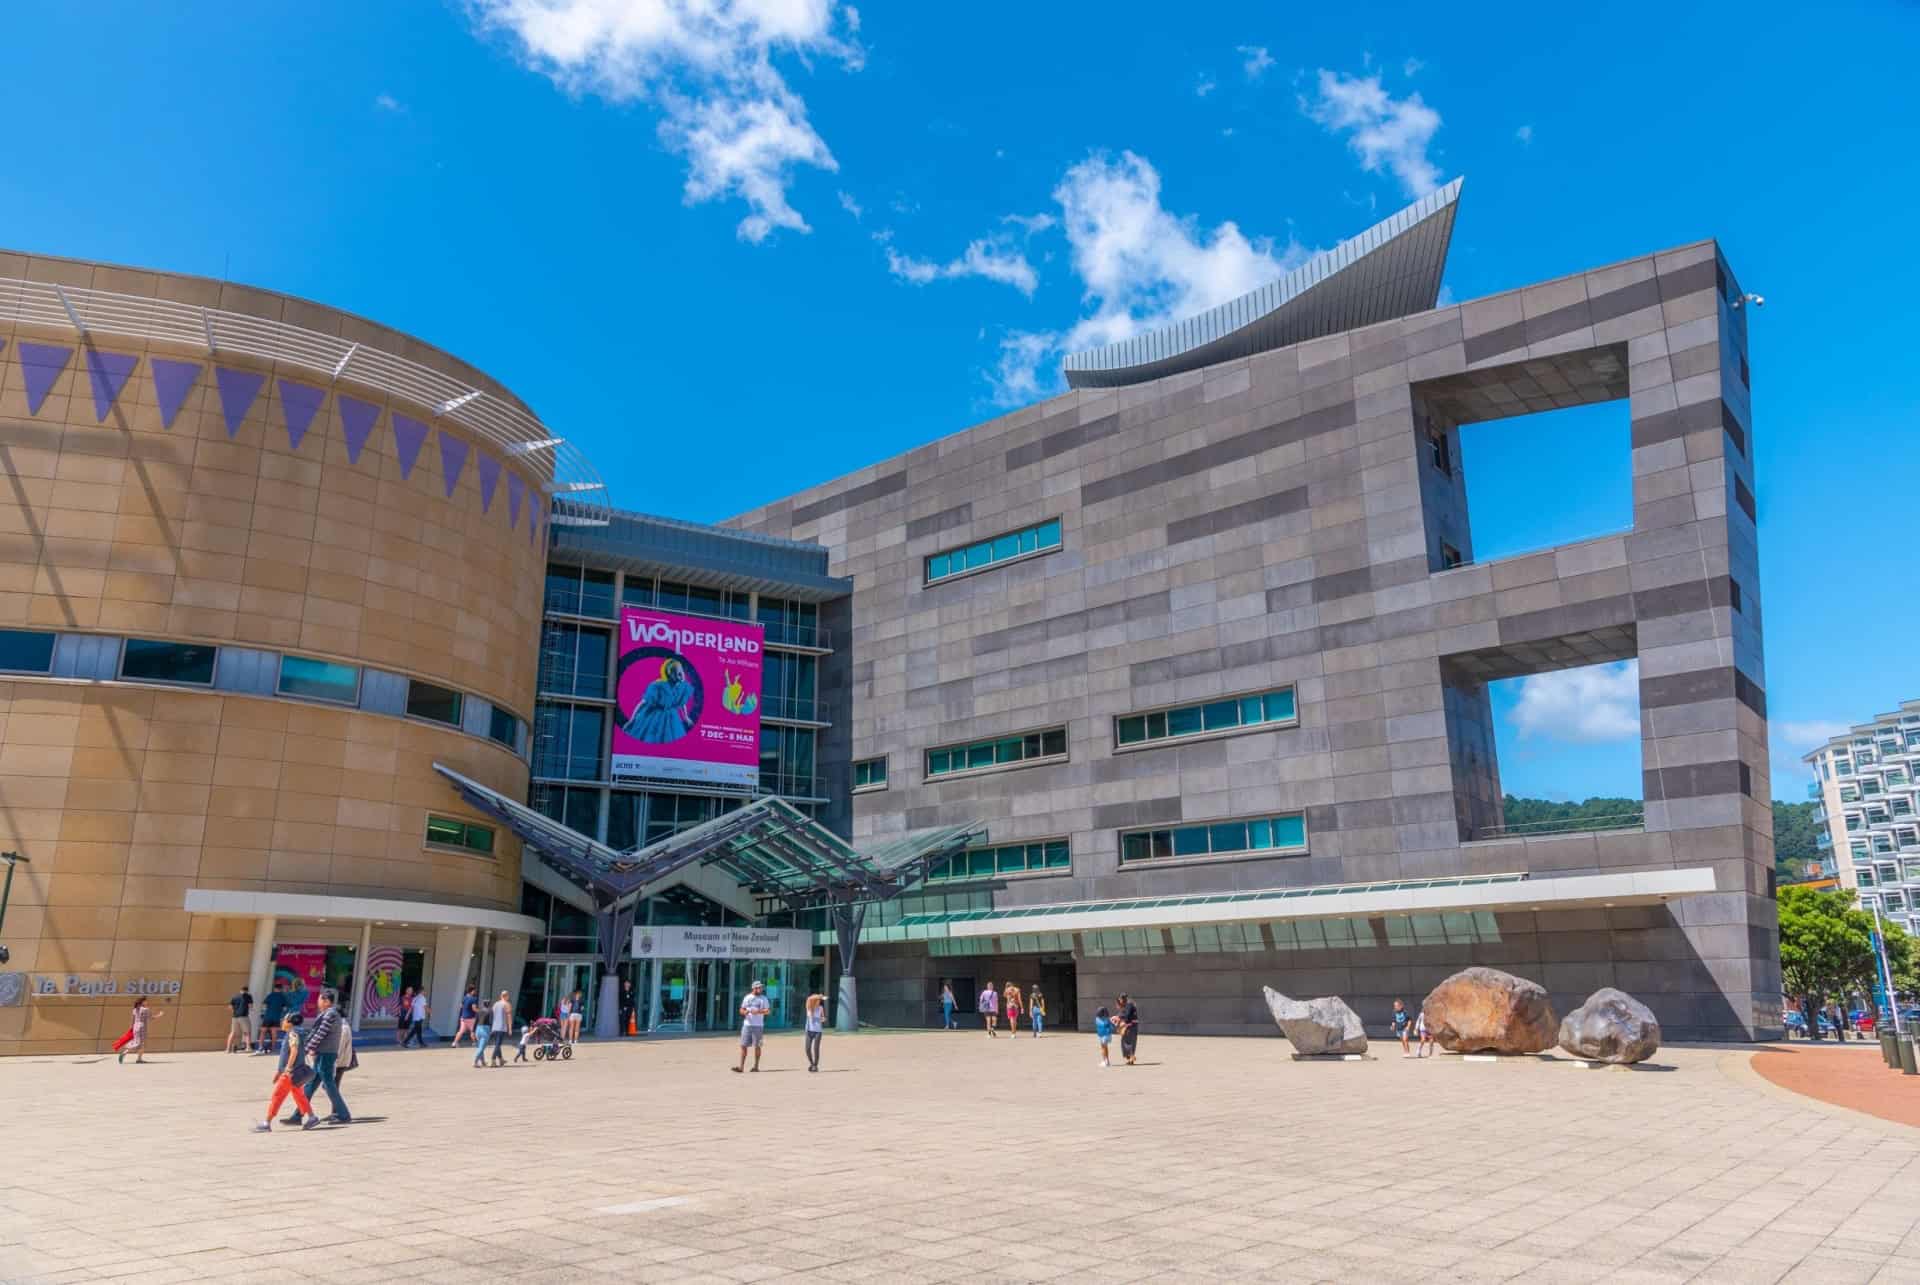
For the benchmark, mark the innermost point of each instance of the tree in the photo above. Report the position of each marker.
(1826, 946)
(1794, 831)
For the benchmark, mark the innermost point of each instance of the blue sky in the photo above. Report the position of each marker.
(823, 237)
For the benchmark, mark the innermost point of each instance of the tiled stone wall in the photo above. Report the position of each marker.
(1267, 521)
(124, 796)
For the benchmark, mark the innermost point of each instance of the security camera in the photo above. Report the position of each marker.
(1757, 300)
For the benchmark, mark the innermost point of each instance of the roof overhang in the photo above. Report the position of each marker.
(767, 846)
(236, 904)
(1510, 892)
(1391, 270)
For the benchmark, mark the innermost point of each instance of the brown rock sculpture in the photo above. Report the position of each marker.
(1485, 1010)
(1612, 1026)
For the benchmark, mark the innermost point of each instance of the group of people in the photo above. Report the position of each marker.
(1123, 1019)
(989, 1004)
(1408, 1028)
(754, 1008)
(317, 1056)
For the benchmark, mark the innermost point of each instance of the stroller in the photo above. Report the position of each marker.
(544, 1034)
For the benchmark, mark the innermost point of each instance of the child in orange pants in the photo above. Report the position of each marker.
(285, 1083)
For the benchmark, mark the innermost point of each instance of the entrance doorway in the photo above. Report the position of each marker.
(704, 994)
(563, 980)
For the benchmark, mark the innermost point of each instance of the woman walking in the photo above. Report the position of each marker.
(136, 1036)
(405, 1020)
(947, 1005)
(292, 1080)
(469, 1014)
(1037, 1006)
(989, 1006)
(816, 1025)
(502, 1027)
(1013, 1010)
(576, 1017)
(1128, 1017)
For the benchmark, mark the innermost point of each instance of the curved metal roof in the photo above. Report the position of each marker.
(502, 424)
(1390, 270)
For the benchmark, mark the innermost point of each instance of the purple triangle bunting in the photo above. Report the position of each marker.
(357, 419)
(172, 381)
(489, 469)
(516, 490)
(108, 373)
(40, 366)
(453, 458)
(238, 388)
(298, 405)
(409, 434)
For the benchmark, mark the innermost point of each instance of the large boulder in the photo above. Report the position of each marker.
(1612, 1026)
(1483, 1010)
(1317, 1027)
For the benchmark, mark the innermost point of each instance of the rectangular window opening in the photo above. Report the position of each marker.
(1047, 745)
(151, 661)
(1252, 712)
(1281, 836)
(450, 832)
(434, 703)
(870, 774)
(1043, 537)
(26, 651)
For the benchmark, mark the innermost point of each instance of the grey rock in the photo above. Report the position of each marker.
(1317, 1027)
(1612, 1026)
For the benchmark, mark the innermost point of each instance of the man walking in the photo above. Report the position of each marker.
(326, 1040)
(274, 1010)
(469, 1010)
(753, 1027)
(417, 1032)
(242, 1028)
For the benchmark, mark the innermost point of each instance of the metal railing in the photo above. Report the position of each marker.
(504, 424)
(1571, 825)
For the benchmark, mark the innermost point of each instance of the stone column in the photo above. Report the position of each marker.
(357, 1002)
(260, 970)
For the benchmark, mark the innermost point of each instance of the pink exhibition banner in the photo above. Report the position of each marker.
(688, 698)
(304, 970)
(381, 987)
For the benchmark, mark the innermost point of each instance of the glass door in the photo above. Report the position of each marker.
(672, 995)
(562, 981)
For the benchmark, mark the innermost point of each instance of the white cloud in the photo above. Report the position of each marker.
(1205, 86)
(1140, 266)
(1257, 60)
(994, 258)
(1789, 739)
(388, 103)
(1524, 133)
(1387, 133)
(1595, 703)
(1411, 67)
(708, 65)
(1031, 223)
(850, 205)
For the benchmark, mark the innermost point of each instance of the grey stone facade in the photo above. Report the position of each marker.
(1285, 519)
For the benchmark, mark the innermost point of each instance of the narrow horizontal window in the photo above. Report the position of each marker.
(433, 703)
(1042, 856)
(870, 774)
(1040, 538)
(1259, 709)
(26, 651)
(319, 680)
(150, 661)
(1286, 833)
(450, 832)
(1004, 751)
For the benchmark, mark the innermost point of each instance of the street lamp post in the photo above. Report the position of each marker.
(6, 891)
(1886, 973)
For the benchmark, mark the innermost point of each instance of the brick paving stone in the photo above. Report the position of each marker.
(940, 1158)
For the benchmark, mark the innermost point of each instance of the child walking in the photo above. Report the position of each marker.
(1103, 1031)
(481, 1034)
(294, 1073)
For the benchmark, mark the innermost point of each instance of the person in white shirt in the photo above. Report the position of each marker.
(417, 1031)
(753, 1028)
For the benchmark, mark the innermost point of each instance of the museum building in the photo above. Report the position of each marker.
(321, 658)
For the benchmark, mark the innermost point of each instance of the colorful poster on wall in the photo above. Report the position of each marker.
(381, 987)
(304, 971)
(688, 697)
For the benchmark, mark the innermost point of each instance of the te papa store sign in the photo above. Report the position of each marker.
(17, 987)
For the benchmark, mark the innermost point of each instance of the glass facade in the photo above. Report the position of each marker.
(787, 683)
(576, 660)
(1225, 715)
(1043, 537)
(1004, 751)
(569, 742)
(1047, 856)
(1284, 833)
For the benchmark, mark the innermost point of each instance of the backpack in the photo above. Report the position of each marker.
(343, 1043)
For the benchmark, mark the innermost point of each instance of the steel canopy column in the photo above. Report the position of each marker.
(847, 920)
(616, 925)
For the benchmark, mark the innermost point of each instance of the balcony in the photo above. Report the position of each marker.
(1629, 820)
(1813, 789)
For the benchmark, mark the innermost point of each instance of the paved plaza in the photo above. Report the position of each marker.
(941, 1157)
